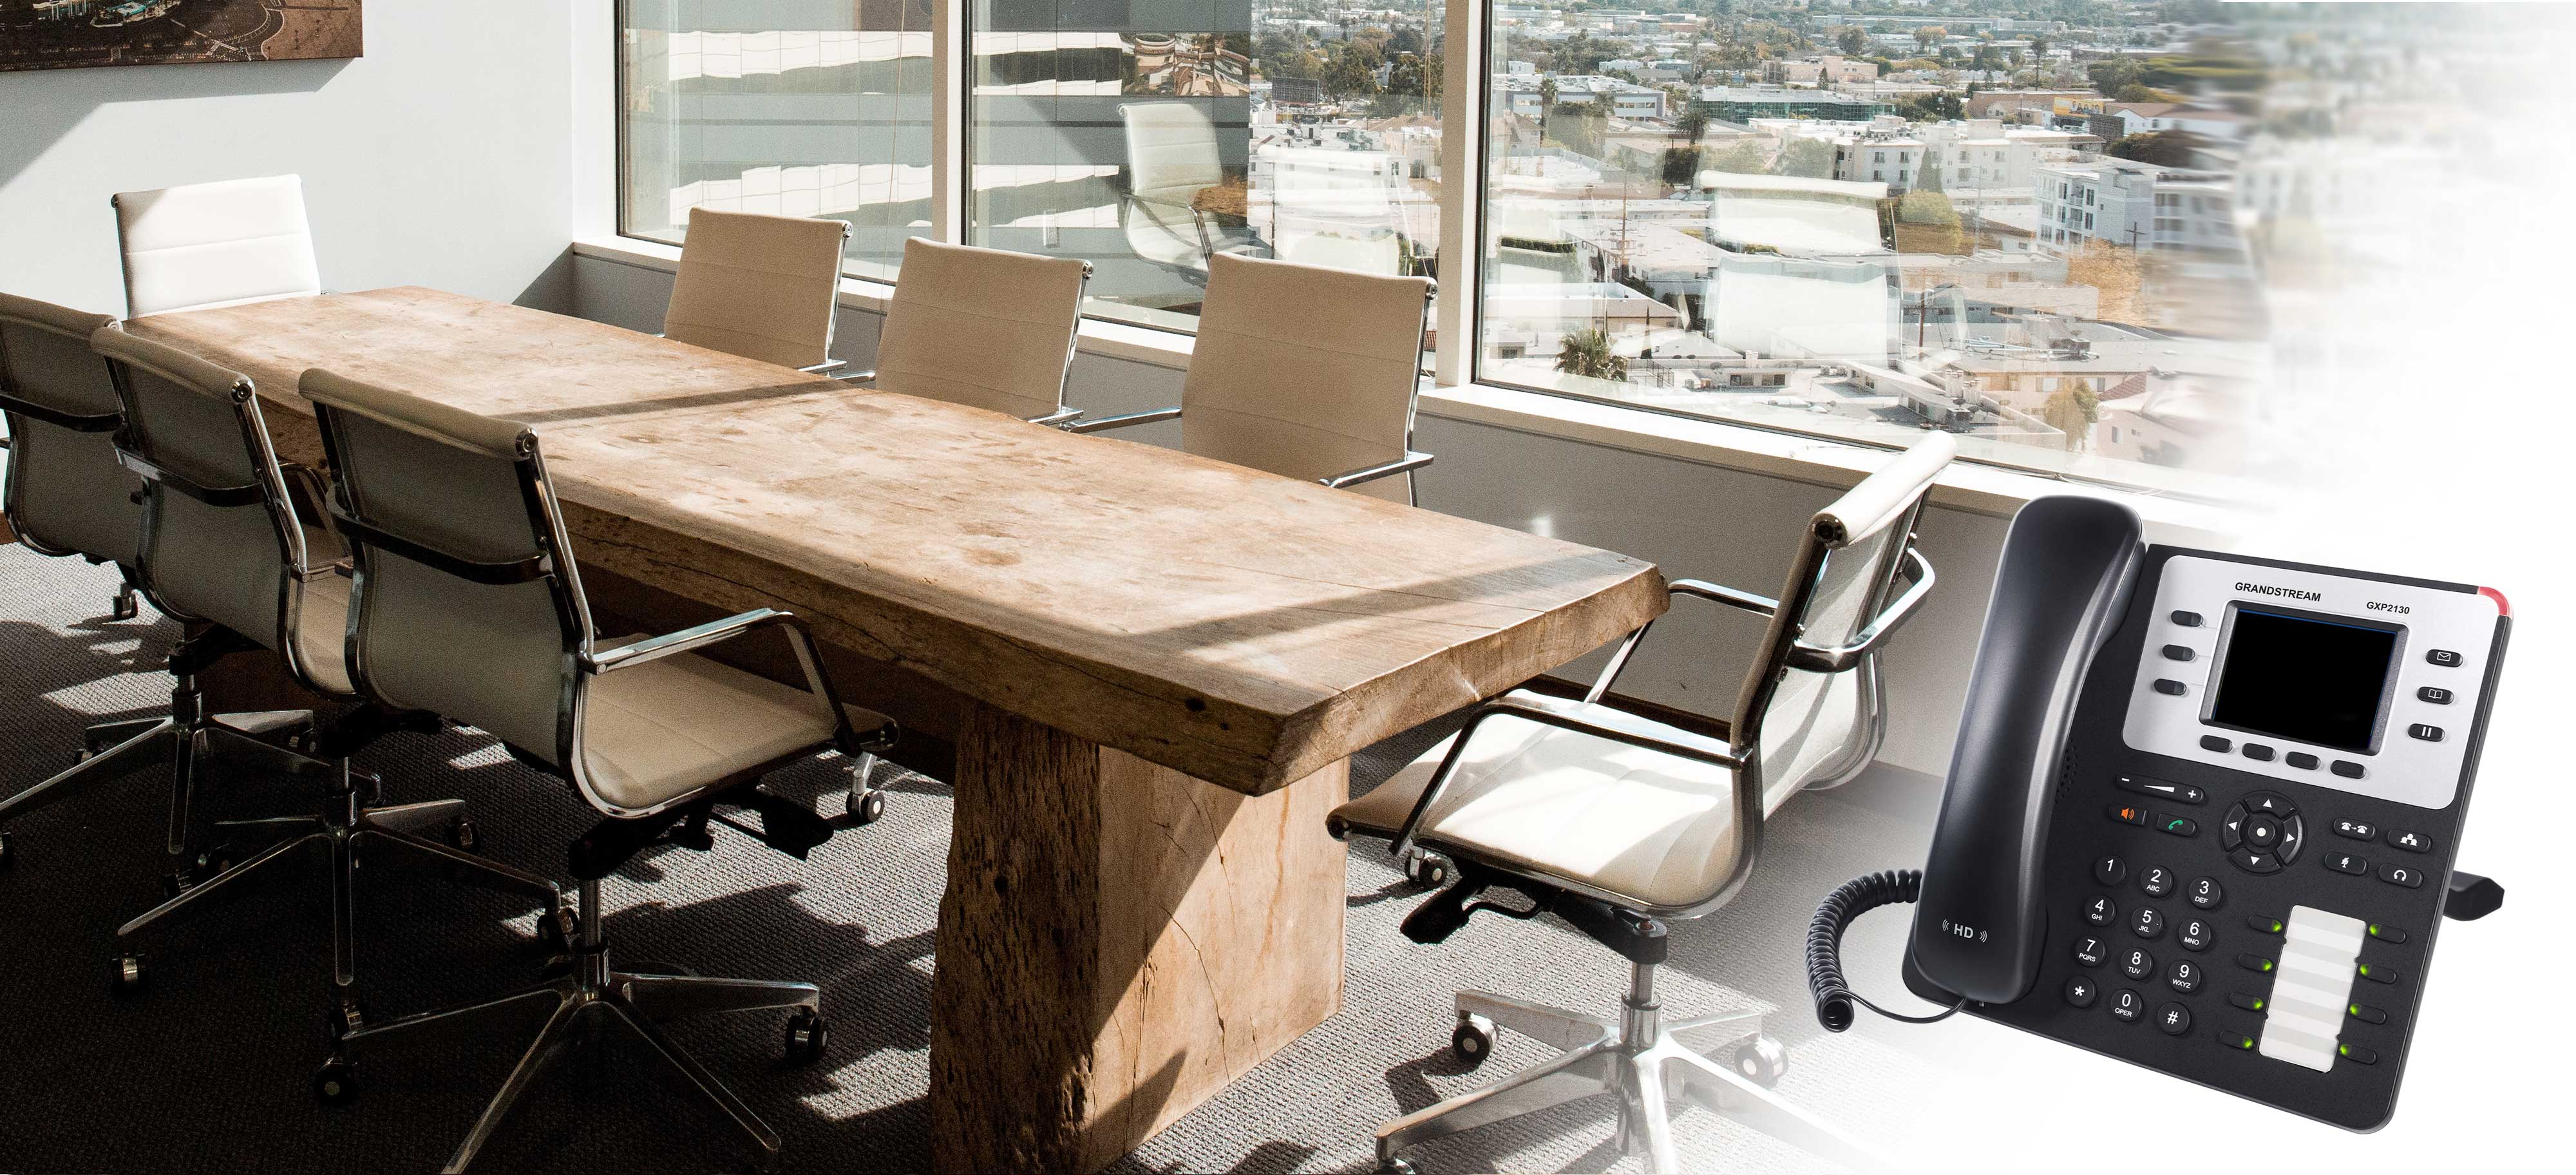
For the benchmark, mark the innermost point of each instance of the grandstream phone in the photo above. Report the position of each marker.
(2201, 812)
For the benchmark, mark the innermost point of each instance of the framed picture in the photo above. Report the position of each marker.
(70, 34)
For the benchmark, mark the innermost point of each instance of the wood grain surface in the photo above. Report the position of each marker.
(1232, 625)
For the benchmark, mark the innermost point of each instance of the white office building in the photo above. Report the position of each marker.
(2140, 205)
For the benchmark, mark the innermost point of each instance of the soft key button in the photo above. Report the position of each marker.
(2309, 995)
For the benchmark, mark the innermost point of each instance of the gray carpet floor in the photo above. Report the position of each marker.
(208, 1071)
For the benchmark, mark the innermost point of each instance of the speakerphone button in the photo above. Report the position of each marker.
(2187, 619)
(2110, 871)
(2347, 863)
(2386, 933)
(2442, 657)
(2081, 992)
(2211, 742)
(2259, 752)
(2195, 935)
(2347, 769)
(2405, 875)
(2128, 813)
(2413, 842)
(2434, 694)
(2179, 653)
(2357, 829)
(2167, 685)
(2357, 1054)
(2301, 760)
(2175, 1019)
(2126, 1006)
(2366, 1014)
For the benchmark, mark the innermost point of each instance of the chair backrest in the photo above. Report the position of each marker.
(430, 488)
(66, 493)
(1304, 371)
(982, 327)
(201, 246)
(219, 530)
(762, 287)
(1171, 150)
(1816, 727)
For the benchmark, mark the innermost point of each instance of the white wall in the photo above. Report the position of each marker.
(440, 158)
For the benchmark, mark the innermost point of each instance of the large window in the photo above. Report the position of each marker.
(791, 107)
(2062, 231)
(1149, 135)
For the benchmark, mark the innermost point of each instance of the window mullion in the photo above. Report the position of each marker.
(950, 71)
(1462, 182)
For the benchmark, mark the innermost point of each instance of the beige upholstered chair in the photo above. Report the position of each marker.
(1617, 822)
(469, 604)
(1304, 372)
(1172, 153)
(983, 327)
(202, 246)
(762, 287)
(223, 547)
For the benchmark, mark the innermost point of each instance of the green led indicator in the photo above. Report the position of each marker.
(2344, 1050)
(2267, 965)
(2374, 928)
(2365, 968)
(2258, 1005)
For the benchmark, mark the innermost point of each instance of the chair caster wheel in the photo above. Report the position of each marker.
(212, 862)
(556, 928)
(807, 1036)
(463, 835)
(176, 882)
(1762, 1059)
(1395, 1167)
(335, 1084)
(868, 807)
(1430, 870)
(124, 606)
(126, 977)
(349, 1017)
(6, 857)
(1472, 1040)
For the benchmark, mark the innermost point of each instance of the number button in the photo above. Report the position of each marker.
(2090, 951)
(2147, 923)
(2206, 894)
(2185, 977)
(2157, 881)
(2195, 935)
(2110, 871)
(2126, 1005)
(2081, 992)
(2138, 965)
(2100, 912)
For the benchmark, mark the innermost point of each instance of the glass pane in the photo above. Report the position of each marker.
(1829, 231)
(1148, 135)
(792, 107)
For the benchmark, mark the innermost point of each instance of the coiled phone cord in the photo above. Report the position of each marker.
(1834, 997)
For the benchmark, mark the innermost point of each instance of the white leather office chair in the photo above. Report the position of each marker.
(1304, 372)
(1619, 824)
(468, 603)
(987, 328)
(222, 546)
(1172, 154)
(762, 287)
(202, 246)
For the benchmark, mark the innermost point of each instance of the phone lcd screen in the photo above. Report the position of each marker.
(2303, 677)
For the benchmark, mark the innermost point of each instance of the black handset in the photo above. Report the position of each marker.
(2063, 585)
(2201, 813)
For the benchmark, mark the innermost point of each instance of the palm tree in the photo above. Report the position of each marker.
(1587, 353)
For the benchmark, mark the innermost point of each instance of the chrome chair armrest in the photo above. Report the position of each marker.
(315, 507)
(858, 377)
(1058, 418)
(1693, 747)
(1368, 473)
(1866, 641)
(1697, 588)
(714, 632)
(826, 367)
(1106, 423)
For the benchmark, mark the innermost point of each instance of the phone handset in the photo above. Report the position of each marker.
(2069, 565)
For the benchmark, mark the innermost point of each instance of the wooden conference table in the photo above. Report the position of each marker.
(1165, 663)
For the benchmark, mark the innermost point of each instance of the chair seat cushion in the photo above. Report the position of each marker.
(322, 633)
(1560, 804)
(662, 730)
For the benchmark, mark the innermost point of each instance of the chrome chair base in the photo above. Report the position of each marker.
(594, 991)
(1639, 1058)
(111, 750)
(344, 827)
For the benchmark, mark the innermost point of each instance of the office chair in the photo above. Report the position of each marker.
(469, 603)
(223, 548)
(1172, 153)
(758, 286)
(1261, 392)
(203, 246)
(986, 328)
(1620, 825)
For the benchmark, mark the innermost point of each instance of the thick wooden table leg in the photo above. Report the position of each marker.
(1118, 942)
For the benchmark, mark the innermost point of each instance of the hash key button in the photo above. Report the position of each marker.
(2175, 1019)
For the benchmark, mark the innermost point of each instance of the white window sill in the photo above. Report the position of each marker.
(1967, 486)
